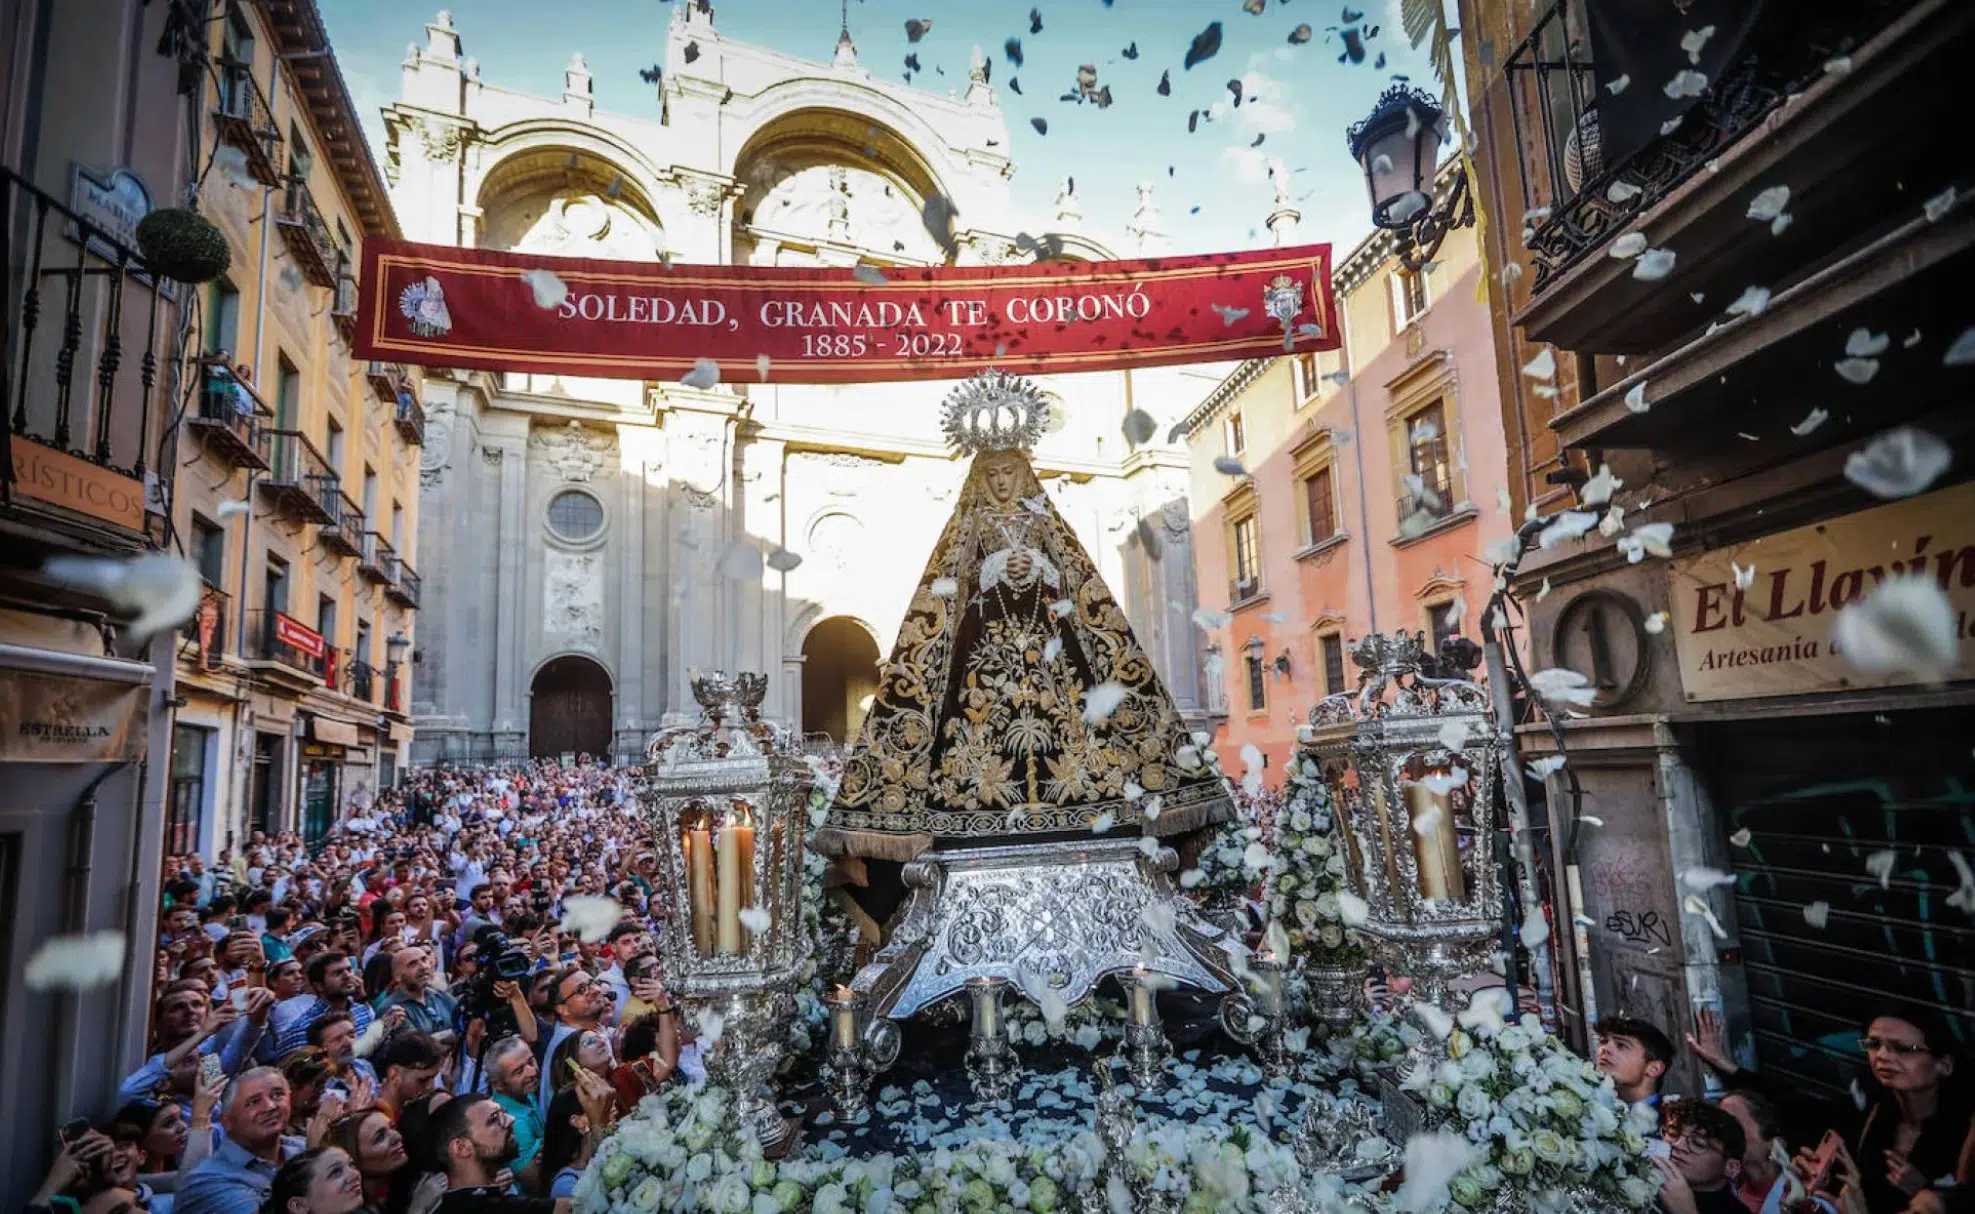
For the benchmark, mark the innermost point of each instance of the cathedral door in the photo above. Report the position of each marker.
(839, 677)
(569, 710)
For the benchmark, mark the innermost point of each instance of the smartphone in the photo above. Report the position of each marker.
(239, 997)
(1658, 1148)
(72, 1131)
(210, 1068)
(1823, 1162)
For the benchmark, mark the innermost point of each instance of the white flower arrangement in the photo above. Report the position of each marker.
(1215, 1139)
(1309, 872)
(1543, 1120)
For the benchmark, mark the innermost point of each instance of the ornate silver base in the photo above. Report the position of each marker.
(1048, 917)
(850, 1084)
(746, 1057)
(1259, 1031)
(991, 1068)
(1146, 1052)
(1336, 996)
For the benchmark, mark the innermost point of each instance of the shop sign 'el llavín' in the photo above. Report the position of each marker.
(1776, 637)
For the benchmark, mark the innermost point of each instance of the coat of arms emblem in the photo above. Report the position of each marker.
(424, 305)
(1283, 299)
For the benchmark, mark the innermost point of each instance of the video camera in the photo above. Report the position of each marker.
(496, 959)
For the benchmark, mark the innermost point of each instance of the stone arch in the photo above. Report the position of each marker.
(824, 175)
(556, 190)
(571, 707)
(840, 658)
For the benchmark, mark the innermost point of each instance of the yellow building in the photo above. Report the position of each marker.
(298, 486)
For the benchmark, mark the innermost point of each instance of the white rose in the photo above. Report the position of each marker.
(1473, 1102)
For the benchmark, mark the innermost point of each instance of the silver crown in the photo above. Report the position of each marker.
(994, 411)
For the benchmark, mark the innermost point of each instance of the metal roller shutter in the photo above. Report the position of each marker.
(1820, 796)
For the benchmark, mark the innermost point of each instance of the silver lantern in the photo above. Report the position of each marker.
(726, 799)
(1417, 817)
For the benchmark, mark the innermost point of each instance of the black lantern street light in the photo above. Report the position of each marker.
(1398, 147)
(394, 657)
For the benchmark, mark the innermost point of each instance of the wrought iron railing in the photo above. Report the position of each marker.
(384, 379)
(244, 119)
(343, 311)
(345, 531)
(411, 419)
(301, 477)
(404, 584)
(230, 414)
(373, 557)
(307, 234)
(1576, 199)
(64, 383)
(363, 681)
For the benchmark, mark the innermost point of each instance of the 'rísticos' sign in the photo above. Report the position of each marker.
(1775, 637)
(441, 306)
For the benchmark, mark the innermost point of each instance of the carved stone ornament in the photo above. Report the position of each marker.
(436, 450)
(492, 455)
(705, 197)
(572, 594)
(699, 499)
(573, 452)
(440, 140)
(1178, 526)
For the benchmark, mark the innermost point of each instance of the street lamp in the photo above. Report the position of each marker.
(394, 650)
(1398, 147)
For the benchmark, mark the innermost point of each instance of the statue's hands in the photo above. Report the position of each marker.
(1020, 565)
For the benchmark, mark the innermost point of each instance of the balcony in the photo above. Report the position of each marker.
(344, 534)
(411, 420)
(363, 682)
(1826, 97)
(243, 119)
(376, 558)
(344, 310)
(1240, 590)
(384, 379)
(230, 417)
(202, 639)
(307, 235)
(404, 586)
(299, 480)
(284, 650)
(85, 350)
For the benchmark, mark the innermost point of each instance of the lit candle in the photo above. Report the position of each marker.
(1142, 1011)
(843, 1018)
(1431, 815)
(744, 835)
(728, 926)
(699, 885)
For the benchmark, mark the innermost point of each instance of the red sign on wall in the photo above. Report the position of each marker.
(297, 635)
(442, 306)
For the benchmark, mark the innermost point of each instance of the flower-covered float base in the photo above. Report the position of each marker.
(1216, 1137)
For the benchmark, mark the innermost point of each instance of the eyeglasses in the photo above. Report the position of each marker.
(1903, 1049)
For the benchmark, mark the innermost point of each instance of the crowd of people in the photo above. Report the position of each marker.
(399, 1021)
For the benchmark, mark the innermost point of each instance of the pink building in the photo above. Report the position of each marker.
(1373, 483)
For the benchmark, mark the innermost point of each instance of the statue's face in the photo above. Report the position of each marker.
(1004, 479)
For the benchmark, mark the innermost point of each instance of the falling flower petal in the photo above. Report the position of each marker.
(1547, 766)
(1687, 83)
(1817, 914)
(705, 375)
(1535, 930)
(1251, 756)
(1656, 623)
(1230, 315)
(1703, 879)
(1543, 366)
(1694, 906)
(1653, 539)
(75, 963)
(1208, 619)
(1103, 700)
(1454, 735)
(1103, 823)
(1857, 370)
(1963, 898)
(590, 917)
(1206, 44)
(756, 920)
(1769, 203)
(232, 506)
(1619, 85)
(1811, 421)
(157, 590)
(1061, 608)
(1432, 1163)
(550, 291)
(1628, 246)
(371, 1038)
(1906, 625)
(1352, 909)
(1561, 686)
(1635, 398)
(1939, 204)
(1228, 465)
(1778, 224)
(1880, 864)
(1864, 343)
(761, 365)
(1899, 463)
(1566, 525)
(740, 562)
(1653, 265)
(1256, 858)
(1744, 578)
(1753, 301)
(1543, 591)
(1961, 353)
(1052, 648)
(870, 276)
(1622, 192)
(232, 165)
(783, 561)
(1741, 837)
(1139, 427)
(944, 588)
(1599, 489)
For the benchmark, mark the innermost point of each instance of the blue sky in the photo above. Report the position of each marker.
(1298, 98)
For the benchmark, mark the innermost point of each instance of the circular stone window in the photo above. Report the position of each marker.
(574, 515)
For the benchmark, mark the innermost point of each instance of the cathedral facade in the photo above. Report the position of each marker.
(588, 544)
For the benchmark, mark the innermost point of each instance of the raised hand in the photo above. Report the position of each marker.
(1709, 1040)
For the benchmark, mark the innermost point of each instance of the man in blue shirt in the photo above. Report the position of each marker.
(427, 1009)
(236, 1177)
(338, 988)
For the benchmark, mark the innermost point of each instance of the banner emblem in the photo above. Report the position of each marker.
(1282, 299)
(424, 305)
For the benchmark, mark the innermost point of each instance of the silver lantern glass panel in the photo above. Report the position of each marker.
(1418, 818)
(726, 800)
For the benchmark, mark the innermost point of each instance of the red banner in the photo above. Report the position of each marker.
(296, 635)
(442, 306)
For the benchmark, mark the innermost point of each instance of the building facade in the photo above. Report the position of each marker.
(92, 136)
(1732, 246)
(1369, 487)
(592, 542)
(299, 491)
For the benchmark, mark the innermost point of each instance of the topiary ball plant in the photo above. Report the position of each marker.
(183, 245)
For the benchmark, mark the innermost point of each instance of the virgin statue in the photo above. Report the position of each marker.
(1016, 706)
